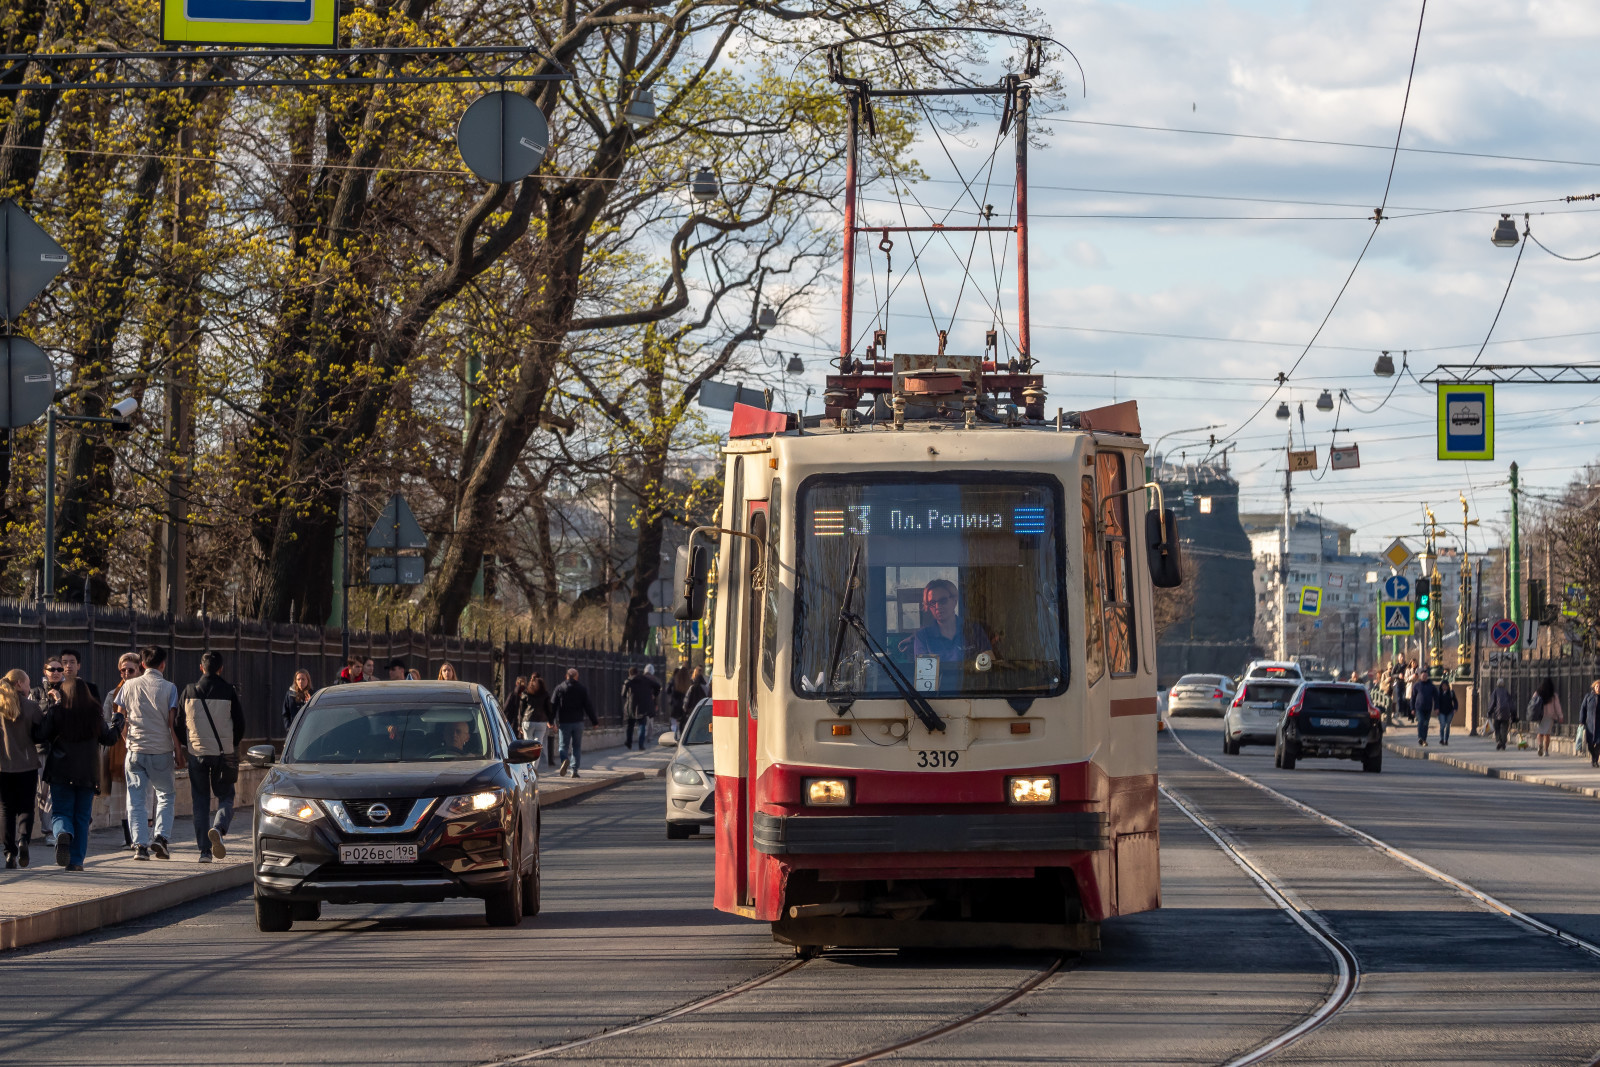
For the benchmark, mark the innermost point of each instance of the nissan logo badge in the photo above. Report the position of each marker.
(378, 813)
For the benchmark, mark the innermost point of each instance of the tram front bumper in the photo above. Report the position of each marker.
(1022, 831)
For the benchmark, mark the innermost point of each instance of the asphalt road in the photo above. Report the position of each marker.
(627, 933)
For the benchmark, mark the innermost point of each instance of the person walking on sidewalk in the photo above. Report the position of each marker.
(20, 717)
(1424, 700)
(1549, 711)
(1502, 709)
(639, 696)
(1445, 700)
(72, 733)
(211, 725)
(534, 710)
(698, 691)
(150, 703)
(569, 706)
(299, 695)
(1589, 719)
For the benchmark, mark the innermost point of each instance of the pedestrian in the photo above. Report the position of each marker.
(569, 706)
(212, 725)
(298, 696)
(413, 675)
(698, 691)
(397, 669)
(534, 710)
(677, 686)
(73, 732)
(1445, 704)
(639, 695)
(71, 662)
(1589, 719)
(47, 695)
(150, 703)
(1424, 699)
(116, 757)
(1549, 711)
(353, 671)
(20, 717)
(447, 673)
(1502, 709)
(369, 669)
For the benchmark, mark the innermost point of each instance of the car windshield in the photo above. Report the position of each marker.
(1331, 699)
(1274, 693)
(957, 580)
(382, 733)
(697, 731)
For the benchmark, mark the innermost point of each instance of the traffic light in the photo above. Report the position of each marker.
(1424, 607)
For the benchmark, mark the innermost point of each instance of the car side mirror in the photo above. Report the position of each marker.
(1161, 549)
(261, 755)
(525, 752)
(689, 582)
(668, 739)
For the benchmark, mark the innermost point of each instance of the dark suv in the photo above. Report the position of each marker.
(397, 792)
(1332, 720)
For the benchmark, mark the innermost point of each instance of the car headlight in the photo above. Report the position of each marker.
(473, 803)
(684, 774)
(296, 808)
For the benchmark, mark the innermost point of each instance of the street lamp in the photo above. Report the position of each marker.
(121, 412)
(641, 110)
(1384, 368)
(704, 185)
(1325, 401)
(1148, 475)
(1505, 233)
(796, 366)
(1283, 410)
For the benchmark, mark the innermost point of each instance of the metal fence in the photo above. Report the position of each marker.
(1572, 676)
(260, 658)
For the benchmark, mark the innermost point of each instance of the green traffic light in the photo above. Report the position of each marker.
(1423, 610)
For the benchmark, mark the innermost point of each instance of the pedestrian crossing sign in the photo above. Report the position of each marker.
(1395, 619)
(691, 634)
(1310, 600)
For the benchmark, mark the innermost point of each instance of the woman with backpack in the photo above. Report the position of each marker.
(73, 733)
(1547, 707)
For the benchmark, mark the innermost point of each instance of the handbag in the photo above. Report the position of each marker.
(228, 771)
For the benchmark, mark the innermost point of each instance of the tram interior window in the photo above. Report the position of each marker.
(1116, 554)
(1094, 649)
(957, 580)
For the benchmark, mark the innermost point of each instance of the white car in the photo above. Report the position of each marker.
(691, 785)
(1254, 715)
(1204, 694)
(1274, 668)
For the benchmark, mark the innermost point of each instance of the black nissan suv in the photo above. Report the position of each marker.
(397, 792)
(1333, 720)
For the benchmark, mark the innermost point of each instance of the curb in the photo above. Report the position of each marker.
(1492, 772)
(82, 916)
(578, 792)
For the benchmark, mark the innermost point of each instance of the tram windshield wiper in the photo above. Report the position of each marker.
(918, 703)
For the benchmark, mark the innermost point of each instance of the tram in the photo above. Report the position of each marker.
(933, 675)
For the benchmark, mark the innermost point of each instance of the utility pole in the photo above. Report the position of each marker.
(1514, 573)
(1463, 668)
(1283, 549)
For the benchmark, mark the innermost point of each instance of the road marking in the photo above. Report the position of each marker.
(1344, 986)
(1469, 891)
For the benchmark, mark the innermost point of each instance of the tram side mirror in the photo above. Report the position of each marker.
(689, 579)
(1161, 547)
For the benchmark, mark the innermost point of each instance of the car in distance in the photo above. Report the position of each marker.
(397, 792)
(1200, 694)
(1274, 668)
(1253, 716)
(1330, 720)
(691, 785)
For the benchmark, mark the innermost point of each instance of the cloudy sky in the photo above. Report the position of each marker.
(1197, 267)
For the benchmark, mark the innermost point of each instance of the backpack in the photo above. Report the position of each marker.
(1535, 707)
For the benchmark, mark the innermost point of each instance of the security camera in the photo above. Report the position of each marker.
(124, 409)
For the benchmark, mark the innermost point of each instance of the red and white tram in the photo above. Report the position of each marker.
(933, 672)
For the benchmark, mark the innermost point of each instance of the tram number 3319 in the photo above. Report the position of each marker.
(937, 758)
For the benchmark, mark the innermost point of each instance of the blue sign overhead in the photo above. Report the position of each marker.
(1466, 421)
(1505, 633)
(1396, 587)
(299, 23)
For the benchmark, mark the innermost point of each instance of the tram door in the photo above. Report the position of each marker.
(749, 654)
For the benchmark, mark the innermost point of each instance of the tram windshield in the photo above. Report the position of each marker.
(957, 585)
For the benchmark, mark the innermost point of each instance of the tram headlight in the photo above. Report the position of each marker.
(826, 792)
(1041, 790)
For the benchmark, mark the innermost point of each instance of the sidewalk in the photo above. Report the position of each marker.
(44, 902)
(1479, 755)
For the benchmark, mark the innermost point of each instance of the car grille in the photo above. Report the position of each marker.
(376, 872)
(360, 811)
(709, 804)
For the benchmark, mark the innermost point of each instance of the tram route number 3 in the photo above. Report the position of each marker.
(937, 758)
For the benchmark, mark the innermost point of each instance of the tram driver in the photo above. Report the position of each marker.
(950, 637)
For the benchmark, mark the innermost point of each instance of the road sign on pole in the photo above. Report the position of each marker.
(1505, 633)
(1466, 421)
(1397, 554)
(1345, 458)
(32, 259)
(502, 137)
(395, 531)
(298, 23)
(1394, 619)
(27, 382)
(1310, 600)
(1396, 587)
(1303, 461)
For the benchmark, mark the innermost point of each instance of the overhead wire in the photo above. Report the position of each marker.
(1521, 246)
